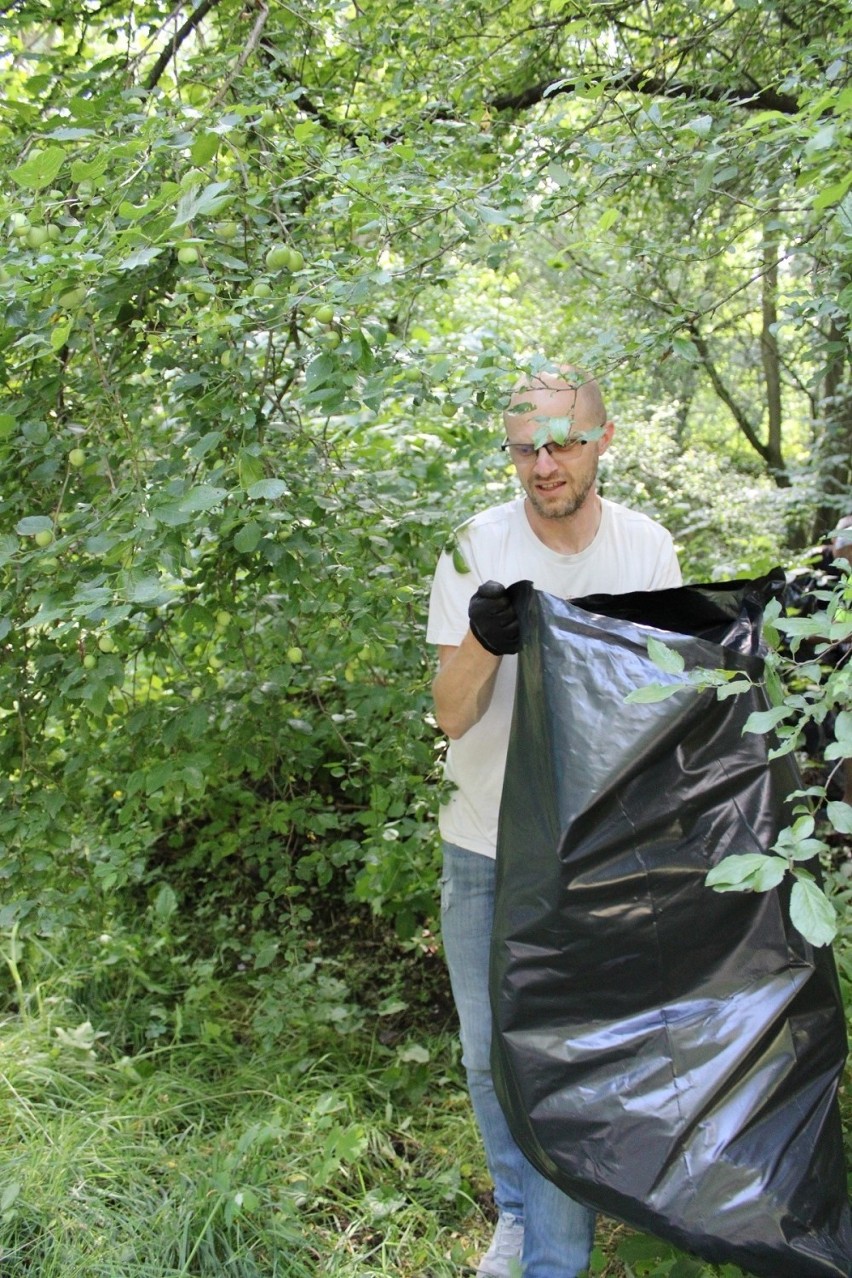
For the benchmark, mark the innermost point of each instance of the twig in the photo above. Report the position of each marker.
(177, 40)
(250, 46)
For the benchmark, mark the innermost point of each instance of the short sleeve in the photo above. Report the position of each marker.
(449, 599)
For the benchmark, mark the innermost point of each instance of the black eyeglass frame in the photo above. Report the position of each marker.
(549, 447)
(568, 445)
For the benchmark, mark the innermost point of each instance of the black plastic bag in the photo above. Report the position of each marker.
(667, 1054)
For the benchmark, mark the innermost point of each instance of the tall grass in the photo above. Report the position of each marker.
(321, 1154)
(283, 1130)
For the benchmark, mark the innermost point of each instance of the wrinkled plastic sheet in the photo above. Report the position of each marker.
(667, 1054)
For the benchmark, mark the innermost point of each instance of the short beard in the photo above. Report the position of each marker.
(569, 505)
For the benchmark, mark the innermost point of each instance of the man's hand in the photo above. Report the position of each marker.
(493, 620)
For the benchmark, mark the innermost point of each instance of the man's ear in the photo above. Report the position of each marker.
(606, 438)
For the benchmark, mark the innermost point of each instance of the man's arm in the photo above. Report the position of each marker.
(463, 686)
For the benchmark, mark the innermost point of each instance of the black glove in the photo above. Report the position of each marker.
(493, 620)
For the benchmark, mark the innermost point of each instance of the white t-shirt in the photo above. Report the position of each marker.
(629, 552)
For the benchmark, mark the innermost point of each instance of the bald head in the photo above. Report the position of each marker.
(565, 393)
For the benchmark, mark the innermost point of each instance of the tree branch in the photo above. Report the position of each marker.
(194, 20)
(250, 46)
(725, 394)
(640, 82)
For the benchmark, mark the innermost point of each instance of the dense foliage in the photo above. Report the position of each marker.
(267, 271)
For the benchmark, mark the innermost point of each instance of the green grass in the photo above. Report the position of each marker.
(313, 1153)
(305, 1122)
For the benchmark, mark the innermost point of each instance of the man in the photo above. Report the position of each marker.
(567, 540)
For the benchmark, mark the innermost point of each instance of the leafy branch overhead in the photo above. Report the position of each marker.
(268, 272)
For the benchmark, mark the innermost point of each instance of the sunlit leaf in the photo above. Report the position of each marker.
(812, 913)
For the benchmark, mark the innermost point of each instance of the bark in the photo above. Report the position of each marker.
(769, 354)
(747, 97)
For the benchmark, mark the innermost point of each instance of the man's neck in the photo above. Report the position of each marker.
(568, 534)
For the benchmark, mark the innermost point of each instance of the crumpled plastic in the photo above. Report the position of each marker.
(667, 1054)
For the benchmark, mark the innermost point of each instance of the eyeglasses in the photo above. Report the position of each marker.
(525, 452)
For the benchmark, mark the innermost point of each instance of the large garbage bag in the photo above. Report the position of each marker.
(665, 1053)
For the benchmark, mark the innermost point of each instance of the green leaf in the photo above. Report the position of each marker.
(664, 657)
(146, 590)
(841, 747)
(733, 689)
(764, 721)
(139, 257)
(40, 168)
(832, 194)
(812, 912)
(641, 1249)
(196, 202)
(59, 334)
(774, 687)
(248, 537)
(249, 469)
(840, 816)
(821, 140)
(750, 871)
(32, 524)
(268, 489)
(204, 149)
(203, 497)
(9, 547)
(653, 692)
(166, 903)
(90, 170)
(415, 1054)
(494, 217)
(702, 125)
(305, 130)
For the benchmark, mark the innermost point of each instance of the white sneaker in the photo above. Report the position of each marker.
(506, 1247)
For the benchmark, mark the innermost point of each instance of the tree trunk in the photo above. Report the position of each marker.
(769, 355)
(834, 454)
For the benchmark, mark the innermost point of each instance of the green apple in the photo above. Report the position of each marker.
(37, 236)
(53, 232)
(412, 374)
(296, 259)
(226, 230)
(278, 258)
(294, 655)
(106, 643)
(197, 693)
(325, 314)
(448, 408)
(77, 458)
(223, 619)
(43, 538)
(73, 297)
(260, 288)
(331, 339)
(188, 255)
(90, 661)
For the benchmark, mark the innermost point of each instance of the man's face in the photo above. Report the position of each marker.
(557, 486)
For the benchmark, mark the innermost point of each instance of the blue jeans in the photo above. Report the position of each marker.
(558, 1233)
